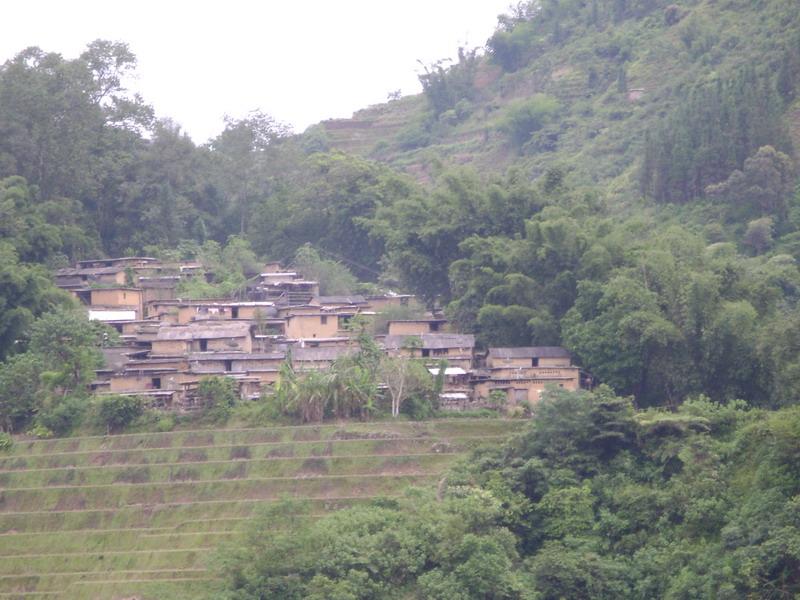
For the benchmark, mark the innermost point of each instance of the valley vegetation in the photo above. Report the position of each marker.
(618, 177)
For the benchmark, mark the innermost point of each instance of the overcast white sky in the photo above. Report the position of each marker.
(301, 62)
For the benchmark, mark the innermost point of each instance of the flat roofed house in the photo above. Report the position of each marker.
(220, 310)
(273, 266)
(294, 292)
(529, 356)
(273, 277)
(382, 302)
(203, 337)
(117, 297)
(355, 302)
(416, 326)
(221, 363)
(158, 288)
(123, 262)
(524, 373)
(145, 378)
(457, 349)
(264, 368)
(164, 310)
(81, 277)
(312, 325)
(316, 359)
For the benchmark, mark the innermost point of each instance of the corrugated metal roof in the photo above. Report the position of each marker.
(529, 352)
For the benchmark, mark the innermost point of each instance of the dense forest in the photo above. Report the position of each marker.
(595, 500)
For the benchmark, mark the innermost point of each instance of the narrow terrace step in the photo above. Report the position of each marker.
(224, 470)
(291, 433)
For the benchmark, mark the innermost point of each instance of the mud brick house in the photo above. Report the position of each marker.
(417, 326)
(180, 340)
(262, 366)
(351, 303)
(162, 287)
(317, 359)
(81, 278)
(170, 345)
(285, 288)
(117, 297)
(302, 325)
(456, 348)
(523, 373)
(220, 310)
(383, 302)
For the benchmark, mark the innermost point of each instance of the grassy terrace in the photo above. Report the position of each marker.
(138, 515)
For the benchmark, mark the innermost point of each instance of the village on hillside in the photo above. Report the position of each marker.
(168, 344)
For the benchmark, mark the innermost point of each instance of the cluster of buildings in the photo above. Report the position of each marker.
(168, 344)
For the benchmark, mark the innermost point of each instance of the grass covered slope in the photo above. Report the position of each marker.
(576, 84)
(138, 515)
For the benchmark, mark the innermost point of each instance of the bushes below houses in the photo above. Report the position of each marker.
(594, 500)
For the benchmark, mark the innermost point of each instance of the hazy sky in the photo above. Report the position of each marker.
(301, 62)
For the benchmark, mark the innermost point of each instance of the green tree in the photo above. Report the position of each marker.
(334, 278)
(26, 292)
(117, 412)
(19, 390)
(217, 393)
(68, 344)
(525, 117)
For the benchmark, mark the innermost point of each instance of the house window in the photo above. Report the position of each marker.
(229, 365)
(434, 326)
(425, 353)
(440, 352)
(203, 345)
(535, 362)
(124, 295)
(155, 383)
(324, 320)
(235, 312)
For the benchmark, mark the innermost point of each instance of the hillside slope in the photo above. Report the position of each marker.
(139, 514)
(615, 68)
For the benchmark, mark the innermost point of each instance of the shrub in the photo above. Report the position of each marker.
(165, 423)
(117, 412)
(64, 417)
(40, 431)
(418, 407)
(217, 395)
(416, 136)
(6, 441)
(524, 117)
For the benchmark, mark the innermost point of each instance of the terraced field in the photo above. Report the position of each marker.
(136, 516)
